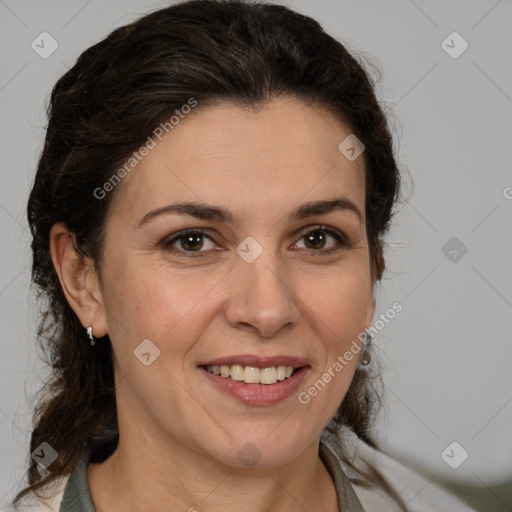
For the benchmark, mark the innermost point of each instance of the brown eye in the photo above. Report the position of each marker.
(315, 240)
(189, 241)
(322, 240)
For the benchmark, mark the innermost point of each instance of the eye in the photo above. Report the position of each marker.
(322, 239)
(190, 240)
(196, 243)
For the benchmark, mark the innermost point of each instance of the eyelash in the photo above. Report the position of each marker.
(342, 240)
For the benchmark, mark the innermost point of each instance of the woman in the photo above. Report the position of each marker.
(207, 221)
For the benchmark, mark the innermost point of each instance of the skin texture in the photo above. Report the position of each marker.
(179, 434)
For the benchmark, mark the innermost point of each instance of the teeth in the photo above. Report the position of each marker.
(237, 372)
(269, 375)
(252, 375)
(281, 372)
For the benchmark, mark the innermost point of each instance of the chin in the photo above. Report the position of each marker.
(263, 449)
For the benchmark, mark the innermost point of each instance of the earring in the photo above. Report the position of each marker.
(366, 356)
(91, 337)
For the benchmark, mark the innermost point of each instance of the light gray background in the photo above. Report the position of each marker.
(448, 353)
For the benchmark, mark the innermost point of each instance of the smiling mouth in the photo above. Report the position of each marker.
(252, 375)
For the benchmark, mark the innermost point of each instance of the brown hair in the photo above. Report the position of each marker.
(104, 108)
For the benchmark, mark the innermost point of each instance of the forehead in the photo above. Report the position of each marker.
(264, 159)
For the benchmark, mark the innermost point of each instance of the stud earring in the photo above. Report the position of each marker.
(366, 356)
(91, 337)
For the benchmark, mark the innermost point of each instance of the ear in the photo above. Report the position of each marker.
(380, 263)
(376, 274)
(78, 279)
(370, 311)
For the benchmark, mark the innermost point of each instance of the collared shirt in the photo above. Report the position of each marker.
(77, 496)
(421, 494)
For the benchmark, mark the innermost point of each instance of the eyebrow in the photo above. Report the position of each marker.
(216, 213)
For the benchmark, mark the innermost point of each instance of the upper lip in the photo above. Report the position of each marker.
(257, 361)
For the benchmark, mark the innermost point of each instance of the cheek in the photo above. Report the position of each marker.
(337, 309)
(150, 300)
(341, 303)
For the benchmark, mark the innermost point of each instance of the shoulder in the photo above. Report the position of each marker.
(419, 493)
(52, 494)
(67, 493)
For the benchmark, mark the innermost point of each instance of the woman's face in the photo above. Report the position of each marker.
(279, 276)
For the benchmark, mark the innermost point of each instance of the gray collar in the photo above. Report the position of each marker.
(347, 499)
(77, 496)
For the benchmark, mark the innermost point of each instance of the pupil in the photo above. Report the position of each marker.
(188, 242)
(316, 239)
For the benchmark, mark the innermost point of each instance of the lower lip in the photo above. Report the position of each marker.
(258, 394)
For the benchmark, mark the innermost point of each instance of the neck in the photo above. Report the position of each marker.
(142, 476)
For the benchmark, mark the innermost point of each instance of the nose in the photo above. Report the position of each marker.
(261, 297)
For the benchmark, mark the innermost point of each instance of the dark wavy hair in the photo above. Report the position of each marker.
(104, 108)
